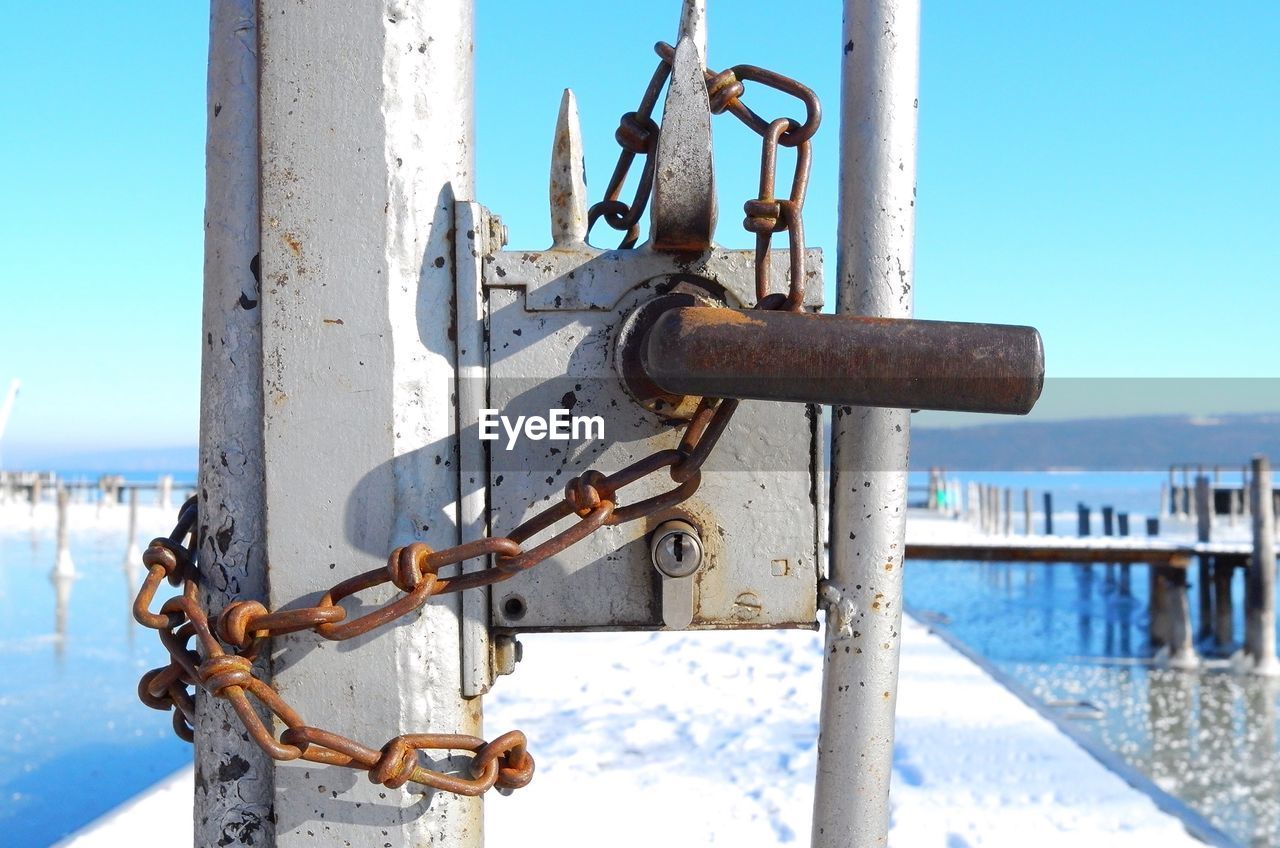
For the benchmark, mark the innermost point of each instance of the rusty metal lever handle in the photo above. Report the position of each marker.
(845, 360)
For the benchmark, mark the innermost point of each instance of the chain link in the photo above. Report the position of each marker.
(592, 498)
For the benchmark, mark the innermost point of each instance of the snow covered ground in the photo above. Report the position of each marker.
(709, 739)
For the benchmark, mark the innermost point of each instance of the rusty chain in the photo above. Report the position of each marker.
(637, 135)
(244, 626)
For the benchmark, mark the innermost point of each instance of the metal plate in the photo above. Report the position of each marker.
(552, 320)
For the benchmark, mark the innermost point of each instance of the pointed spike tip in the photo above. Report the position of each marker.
(568, 183)
(683, 214)
(693, 25)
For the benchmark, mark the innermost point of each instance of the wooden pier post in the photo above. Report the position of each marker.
(164, 492)
(1109, 529)
(1083, 520)
(1125, 592)
(1204, 573)
(1126, 579)
(1223, 608)
(1048, 513)
(1179, 639)
(1260, 594)
(973, 504)
(132, 553)
(1170, 613)
(1026, 512)
(1007, 514)
(1157, 609)
(63, 566)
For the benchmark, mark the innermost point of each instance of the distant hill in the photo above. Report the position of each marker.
(1121, 444)
(179, 461)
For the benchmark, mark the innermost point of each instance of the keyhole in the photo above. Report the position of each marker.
(676, 549)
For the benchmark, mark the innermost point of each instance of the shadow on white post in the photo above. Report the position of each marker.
(365, 139)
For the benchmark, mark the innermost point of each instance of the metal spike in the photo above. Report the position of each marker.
(568, 178)
(684, 193)
(693, 25)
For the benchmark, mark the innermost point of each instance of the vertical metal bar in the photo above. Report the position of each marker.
(234, 779)
(474, 242)
(880, 46)
(366, 142)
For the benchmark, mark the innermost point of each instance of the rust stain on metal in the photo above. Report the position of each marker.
(845, 360)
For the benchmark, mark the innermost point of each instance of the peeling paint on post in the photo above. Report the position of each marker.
(874, 276)
(234, 779)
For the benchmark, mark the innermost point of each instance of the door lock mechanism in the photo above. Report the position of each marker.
(676, 551)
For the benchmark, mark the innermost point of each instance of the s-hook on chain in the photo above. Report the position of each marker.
(223, 663)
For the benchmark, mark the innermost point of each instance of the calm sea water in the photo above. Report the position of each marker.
(74, 739)
(75, 742)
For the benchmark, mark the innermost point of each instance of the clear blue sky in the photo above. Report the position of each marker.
(1106, 171)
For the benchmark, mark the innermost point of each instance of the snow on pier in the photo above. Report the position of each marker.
(710, 739)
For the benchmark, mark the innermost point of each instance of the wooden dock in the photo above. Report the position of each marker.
(980, 528)
(1075, 551)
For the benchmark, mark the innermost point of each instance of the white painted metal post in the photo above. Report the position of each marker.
(234, 779)
(874, 276)
(365, 139)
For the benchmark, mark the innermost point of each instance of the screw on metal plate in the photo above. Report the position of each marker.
(507, 651)
(677, 553)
